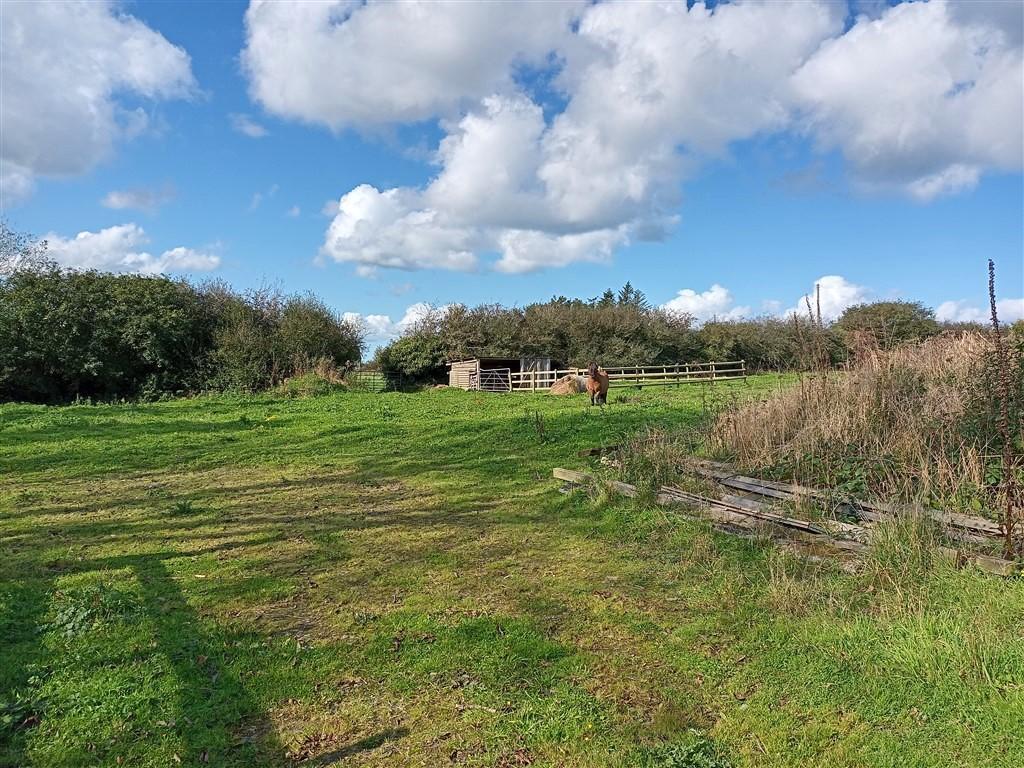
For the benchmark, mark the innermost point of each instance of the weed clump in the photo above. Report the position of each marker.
(21, 709)
(694, 751)
(184, 508)
(77, 611)
(310, 384)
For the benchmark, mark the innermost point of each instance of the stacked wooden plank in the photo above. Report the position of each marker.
(747, 513)
(966, 529)
(969, 527)
(739, 513)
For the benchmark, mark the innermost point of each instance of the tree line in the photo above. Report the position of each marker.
(622, 328)
(66, 334)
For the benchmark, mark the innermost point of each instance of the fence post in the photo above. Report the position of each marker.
(743, 369)
(712, 371)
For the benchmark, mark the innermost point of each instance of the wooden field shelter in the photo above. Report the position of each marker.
(496, 374)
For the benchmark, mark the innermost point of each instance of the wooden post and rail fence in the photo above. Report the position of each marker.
(624, 376)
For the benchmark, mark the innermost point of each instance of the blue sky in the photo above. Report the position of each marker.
(760, 209)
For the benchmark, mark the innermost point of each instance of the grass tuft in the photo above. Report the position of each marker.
(694, 751)
(184, 508)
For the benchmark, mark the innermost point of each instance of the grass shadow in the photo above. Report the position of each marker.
(212, 699)
(363, 745)
(22, 610)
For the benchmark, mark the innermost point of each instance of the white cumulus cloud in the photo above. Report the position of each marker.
(529, 250)
(391, 229)
(380, 329)
(604, 171)
(344, 63)
(121, 249)
(922, 99)
(65, 67)
(962, 311)
(833, 294)
(714, 303)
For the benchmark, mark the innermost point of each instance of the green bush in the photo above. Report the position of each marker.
(889, 323)
(418, 357)
(264, 337)
(308, 330)
(66, 334)
(771, 343)
(243, 350)
(621, 329)
(613, 329)
(86, 334)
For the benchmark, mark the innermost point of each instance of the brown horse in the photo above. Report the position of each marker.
(597, 385)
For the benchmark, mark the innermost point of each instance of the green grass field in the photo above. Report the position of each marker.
(392, 579)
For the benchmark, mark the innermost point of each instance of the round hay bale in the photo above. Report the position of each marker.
(568, 385)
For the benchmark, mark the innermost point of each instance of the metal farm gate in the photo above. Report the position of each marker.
(492, 380)
(373, 381)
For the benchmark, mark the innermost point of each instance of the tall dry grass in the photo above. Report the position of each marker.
(915, 424)
(322, 366)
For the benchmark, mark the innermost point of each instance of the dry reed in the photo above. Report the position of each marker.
(915, 424)
(323, 367)
(1008, 492)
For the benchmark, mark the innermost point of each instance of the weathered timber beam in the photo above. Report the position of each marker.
(779, 490)
(715, 509)
(747, 515)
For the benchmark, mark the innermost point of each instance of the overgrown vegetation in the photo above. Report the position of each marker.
(618, 329)
(887, 324)
(67, 335)
(917, 423)
(129, 336)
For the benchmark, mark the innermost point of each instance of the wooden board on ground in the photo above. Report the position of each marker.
(749, 514)
(716, 509)
(871, 511)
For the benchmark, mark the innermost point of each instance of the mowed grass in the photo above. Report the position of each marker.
(392, 579)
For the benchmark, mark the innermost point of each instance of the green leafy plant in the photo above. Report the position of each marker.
(184, 507)
(77, 611)
(696, 751)
(21, 709)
